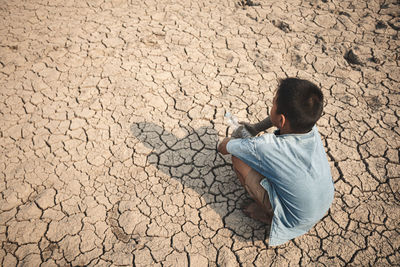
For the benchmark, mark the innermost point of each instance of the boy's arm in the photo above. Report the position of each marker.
(261, 126)
(222, 146)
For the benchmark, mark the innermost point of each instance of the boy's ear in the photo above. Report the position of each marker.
(282, 121)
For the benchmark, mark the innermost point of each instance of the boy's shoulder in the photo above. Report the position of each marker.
(292, 137)
(290, 142)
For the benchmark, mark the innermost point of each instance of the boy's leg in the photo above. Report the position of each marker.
(250, 180)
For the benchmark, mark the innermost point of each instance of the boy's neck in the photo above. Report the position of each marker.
(285, 131)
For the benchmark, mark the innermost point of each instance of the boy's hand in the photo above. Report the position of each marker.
(238, 132)
(222, 146)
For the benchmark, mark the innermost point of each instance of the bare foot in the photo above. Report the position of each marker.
(254, 211)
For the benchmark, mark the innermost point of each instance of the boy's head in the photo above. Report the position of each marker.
(300, 102)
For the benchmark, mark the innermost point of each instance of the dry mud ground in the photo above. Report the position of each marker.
(110, 113)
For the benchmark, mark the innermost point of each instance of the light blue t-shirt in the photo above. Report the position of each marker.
(297, 178)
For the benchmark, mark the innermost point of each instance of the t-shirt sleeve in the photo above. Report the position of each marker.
(244, 149)
(240, 146)
(261, 153)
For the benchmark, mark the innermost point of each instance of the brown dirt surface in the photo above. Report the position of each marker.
(111, 111)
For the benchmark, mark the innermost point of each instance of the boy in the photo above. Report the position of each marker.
(287, 172)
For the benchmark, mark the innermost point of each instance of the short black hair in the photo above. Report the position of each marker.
(301, 102)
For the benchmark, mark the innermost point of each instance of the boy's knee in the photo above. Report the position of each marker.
(240, 166)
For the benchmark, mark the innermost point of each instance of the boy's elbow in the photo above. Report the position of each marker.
(221, 149)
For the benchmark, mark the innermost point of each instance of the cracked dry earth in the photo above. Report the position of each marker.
(111, 111)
